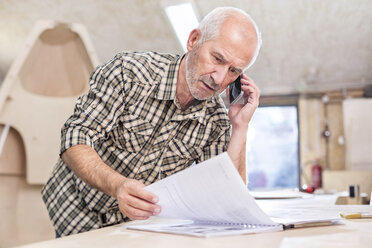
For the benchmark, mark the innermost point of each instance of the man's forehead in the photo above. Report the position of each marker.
(237, 53)
(226, 57)
(238, 41)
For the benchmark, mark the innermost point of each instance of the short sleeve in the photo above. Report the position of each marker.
(96, 112)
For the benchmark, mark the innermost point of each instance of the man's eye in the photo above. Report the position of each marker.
(234, 71)
(218, 59)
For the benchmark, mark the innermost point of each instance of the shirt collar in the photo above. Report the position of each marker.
(166, 89)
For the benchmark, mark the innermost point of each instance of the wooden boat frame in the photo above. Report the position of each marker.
(38, 95)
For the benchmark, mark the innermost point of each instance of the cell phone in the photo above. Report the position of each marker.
(236, 92)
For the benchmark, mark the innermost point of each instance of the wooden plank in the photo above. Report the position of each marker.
(312, 146)
(336, 146)
(358, 133)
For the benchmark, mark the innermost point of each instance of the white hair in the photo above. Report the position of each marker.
(210, 27)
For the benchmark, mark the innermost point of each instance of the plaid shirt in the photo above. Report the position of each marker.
(132, 119)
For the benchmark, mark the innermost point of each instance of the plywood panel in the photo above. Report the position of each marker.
(40, 90)
(340, 180)
(358, 133)
(24, 218)
(336, 151)
(312, 145)
(57, 65)
(13, 156)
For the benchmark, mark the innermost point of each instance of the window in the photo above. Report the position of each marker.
(272, 148)
(183, 19)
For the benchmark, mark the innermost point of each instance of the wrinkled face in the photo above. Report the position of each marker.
(214, 64)
(210, 87)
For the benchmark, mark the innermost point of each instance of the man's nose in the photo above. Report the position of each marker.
(220, 74)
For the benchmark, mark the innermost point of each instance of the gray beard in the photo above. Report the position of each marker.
(191, 72)
(191, 59)
(191, 80)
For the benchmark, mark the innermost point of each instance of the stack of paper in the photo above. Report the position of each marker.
(210, 199)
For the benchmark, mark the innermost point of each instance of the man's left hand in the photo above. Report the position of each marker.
(241, 114)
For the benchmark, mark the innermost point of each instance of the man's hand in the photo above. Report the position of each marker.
(241, 114)
(135, 202)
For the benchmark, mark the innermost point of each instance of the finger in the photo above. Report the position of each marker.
(140, 218)
(143, 205)
(251, 90)
(249, 82)
(136, 214)
(245, 78)
(228, 94)
(137, 189)
(251, 94)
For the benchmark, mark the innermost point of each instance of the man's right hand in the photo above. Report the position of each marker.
(135, 202)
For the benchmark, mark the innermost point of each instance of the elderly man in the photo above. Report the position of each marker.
(147, 116)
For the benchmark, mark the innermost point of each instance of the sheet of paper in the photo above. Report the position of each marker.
(301, 211)
(211, 191)
(193, 228)
(203, 230)
(277, 194)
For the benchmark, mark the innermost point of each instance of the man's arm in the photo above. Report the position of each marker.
(133, 200)
(240, 116)
(237, 151)
(95, 114)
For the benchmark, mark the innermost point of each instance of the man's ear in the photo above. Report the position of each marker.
(193, 39)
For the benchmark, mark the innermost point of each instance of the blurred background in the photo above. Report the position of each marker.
(307, 45)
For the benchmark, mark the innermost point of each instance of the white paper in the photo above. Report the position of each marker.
(314, 210)
(211, 191)
(210, 199)
(201, 230)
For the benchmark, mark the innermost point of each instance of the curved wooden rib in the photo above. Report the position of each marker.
(40, 90)
(12, 156)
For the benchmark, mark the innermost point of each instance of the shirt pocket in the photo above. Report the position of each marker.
(132, 133)
(179, 156)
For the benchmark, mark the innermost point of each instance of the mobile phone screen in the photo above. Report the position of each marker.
(236, 92)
